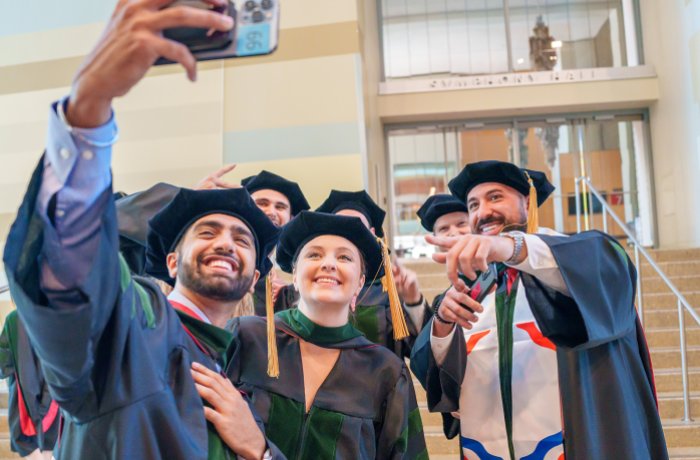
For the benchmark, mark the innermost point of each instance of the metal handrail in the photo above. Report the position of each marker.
(682, 303)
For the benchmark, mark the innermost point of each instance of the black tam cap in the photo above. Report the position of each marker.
(358, 201)
(437, 206)
(167, 227)
(308, 225)
(133, 213)
(502, 172)
(267, 180)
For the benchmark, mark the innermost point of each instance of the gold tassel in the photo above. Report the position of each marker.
(389, 286)
(533, 219)
(273, 365)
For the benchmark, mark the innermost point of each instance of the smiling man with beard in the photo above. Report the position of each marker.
(553, 362)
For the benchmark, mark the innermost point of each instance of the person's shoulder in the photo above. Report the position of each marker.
(380, 357)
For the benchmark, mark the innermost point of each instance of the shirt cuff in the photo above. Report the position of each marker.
(541, 264)
(67, 145)
(416, 313)
(440, 345)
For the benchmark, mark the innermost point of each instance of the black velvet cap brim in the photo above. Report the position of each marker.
(358, 201)
(266, 180)
(501, 172)
(308, 225)
(437, 206)
(168, 226)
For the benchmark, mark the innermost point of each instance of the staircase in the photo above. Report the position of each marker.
(661, 325)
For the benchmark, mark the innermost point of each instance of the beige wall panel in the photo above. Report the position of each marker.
(28, 107)
(49, 44)
(316, 175)
(304, 13)
(291, 93)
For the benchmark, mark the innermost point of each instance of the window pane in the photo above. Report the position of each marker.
(567, 34)
(443, 37)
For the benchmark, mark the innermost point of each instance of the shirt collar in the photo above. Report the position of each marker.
(178, 297)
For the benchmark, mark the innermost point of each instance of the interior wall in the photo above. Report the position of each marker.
(671, 31)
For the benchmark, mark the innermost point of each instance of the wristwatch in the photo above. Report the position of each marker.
(518, 243)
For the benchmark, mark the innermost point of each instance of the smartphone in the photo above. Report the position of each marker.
(255, 31)
(484, 283)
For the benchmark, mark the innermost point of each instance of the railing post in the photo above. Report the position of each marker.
(605, 220)
(684, 363)
(577, 200)
(640, 302)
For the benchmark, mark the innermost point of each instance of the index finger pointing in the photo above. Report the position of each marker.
(224, 170)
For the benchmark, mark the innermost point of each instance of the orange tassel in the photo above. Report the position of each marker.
(273, 366)
(533, 219)
(389, 286)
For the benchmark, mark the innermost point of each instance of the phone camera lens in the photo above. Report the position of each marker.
(266, 4)
(258, 16)
(250, 5)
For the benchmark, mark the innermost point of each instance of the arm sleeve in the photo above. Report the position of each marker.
(541, 264)
(61, 256)
(442, 381)
(417, 314)
(601, 281)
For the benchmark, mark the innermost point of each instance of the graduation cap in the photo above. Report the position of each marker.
(437, 206)
(532, 184)
(358, 201)
(266, 180)
(169, 225)
(133, 213)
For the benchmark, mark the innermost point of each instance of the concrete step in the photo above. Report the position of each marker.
(684, 453)
(685, 283)
(680, 268)
(669, 380)
(670, 357)
(675, 255)
(668, 337)
(671, 405)
(666, 318)
(656, 300)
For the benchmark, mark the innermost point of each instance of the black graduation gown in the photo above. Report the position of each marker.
(365, 408)
(605, 376)
(33, 416)
(114, 353)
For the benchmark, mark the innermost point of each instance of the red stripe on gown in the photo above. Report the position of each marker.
(474, 339)
(25, 422)
(536, 335)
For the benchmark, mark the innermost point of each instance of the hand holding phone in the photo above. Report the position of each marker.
(255, 32)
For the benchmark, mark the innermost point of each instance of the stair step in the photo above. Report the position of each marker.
(668, 337)
(666, 318)
(674, 255)
(687, 283)
(669, 380)
(672, 268)
(670, 357)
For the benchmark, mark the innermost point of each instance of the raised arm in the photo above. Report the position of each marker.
(61, 254)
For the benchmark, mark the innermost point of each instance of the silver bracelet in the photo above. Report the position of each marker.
(71, 129)
(518, 243)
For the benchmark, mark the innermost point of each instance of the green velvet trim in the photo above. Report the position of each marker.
(366, 320)
(313, 333)
(144, 299)
(284, 424)
(321, 436)
(216, 448)
(215, 338)
(412, 435)
(415, 424)
(505, 309)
